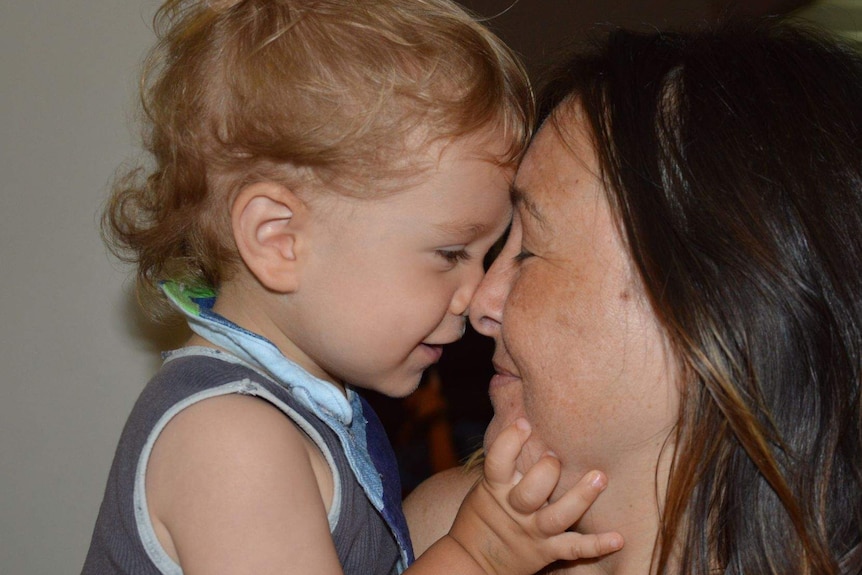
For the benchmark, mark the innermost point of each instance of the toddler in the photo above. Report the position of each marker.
(327, 177)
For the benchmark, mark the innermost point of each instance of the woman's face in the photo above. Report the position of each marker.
(579, 352)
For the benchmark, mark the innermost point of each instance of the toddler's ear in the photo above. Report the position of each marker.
(266, 219)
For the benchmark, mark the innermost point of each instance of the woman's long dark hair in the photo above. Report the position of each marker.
(732, 159)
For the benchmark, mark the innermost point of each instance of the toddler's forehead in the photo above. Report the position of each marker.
(421, 160)
(489, 145)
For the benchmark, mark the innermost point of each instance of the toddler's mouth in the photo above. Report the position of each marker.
(435, 351)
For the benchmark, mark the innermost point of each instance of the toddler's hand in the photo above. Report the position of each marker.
(506, 523)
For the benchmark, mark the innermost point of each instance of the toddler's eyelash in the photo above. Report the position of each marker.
(454, 257)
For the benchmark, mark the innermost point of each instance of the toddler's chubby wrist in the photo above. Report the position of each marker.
(453, 554)
(457, 544)
(476, 532)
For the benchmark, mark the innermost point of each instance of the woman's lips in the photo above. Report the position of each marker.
(502, 378)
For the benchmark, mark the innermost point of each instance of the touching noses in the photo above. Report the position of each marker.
(460, 303)
(486, 309)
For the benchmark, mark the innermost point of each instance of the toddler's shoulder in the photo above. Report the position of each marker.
(233, 470)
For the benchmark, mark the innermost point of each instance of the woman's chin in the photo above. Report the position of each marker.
(492, 431)
(530, 453)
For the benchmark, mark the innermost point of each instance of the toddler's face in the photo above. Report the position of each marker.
(390, 279)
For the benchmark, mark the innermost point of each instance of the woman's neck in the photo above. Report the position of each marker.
(631, 506)
(633, 559)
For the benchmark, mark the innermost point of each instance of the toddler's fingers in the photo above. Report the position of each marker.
(501, 456)
(574, 546)
(536, 486)
(566, 511)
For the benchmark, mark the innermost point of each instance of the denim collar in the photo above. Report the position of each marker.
(314, 393)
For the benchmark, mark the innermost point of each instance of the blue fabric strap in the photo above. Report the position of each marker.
(386, 464)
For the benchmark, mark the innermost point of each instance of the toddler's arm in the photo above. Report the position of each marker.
(505, 526)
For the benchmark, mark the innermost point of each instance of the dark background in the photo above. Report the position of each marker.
(537, 30)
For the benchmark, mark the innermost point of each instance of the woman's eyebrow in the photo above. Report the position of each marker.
(519, 198)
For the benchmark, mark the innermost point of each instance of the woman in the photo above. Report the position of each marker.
(679, 302)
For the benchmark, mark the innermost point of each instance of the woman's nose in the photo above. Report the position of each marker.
(486, 308)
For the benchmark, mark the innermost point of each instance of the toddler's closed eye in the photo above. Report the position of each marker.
(454, 256)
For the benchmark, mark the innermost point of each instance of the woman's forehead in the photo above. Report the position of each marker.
(561, 157)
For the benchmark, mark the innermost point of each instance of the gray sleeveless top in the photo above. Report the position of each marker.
(124, 541)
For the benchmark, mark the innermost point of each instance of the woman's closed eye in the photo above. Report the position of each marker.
(522, 255)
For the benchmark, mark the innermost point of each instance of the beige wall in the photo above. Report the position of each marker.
(71, 366)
